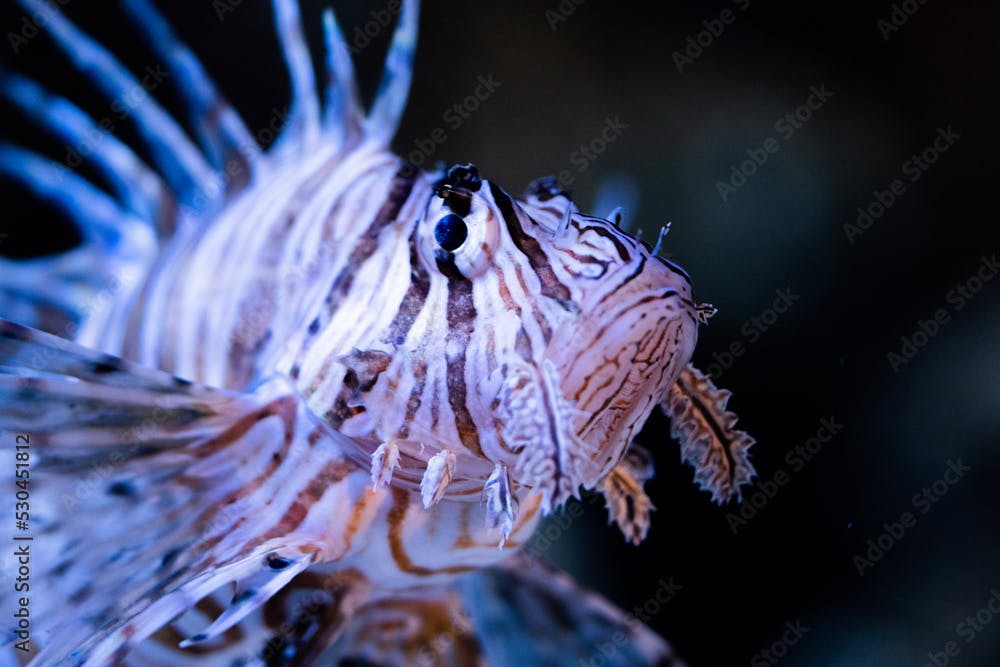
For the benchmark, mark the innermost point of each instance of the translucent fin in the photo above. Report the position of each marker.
(56, 294)
(255, 588)
(303, 117)
(343, 118)
(174, 490)
(226, 140)
(390, 100)
(175, 155)
(707, 435)
(138, 187)
(110, 646)
(528, 613)
(626, 501)
(100, 219)
(59, 293)
(119, 248)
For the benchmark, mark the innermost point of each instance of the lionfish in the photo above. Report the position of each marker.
(302, 405)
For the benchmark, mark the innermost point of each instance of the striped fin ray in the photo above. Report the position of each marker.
(256, 587)
(26, 294)
(101, 220)
(343, 117)
(303, 117)
(61, 292)
(199, 482)
(182, 164)
(706, 431)
(222, 133)
(390, 100)
(139, 188)
(110, 647)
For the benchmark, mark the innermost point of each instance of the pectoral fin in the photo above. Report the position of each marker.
(150, 492)
(706, 431)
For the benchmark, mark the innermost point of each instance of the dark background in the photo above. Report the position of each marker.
(793, 562)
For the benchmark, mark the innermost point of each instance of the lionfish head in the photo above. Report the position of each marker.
(569, 330)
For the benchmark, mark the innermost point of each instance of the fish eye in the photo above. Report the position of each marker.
(450, 232)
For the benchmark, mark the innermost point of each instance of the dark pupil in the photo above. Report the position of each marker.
(450, 232)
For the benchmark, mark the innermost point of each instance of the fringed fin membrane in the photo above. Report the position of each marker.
(626, 501)
(224, 137)
(709, 441)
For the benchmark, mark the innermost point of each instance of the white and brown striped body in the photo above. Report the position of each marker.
(405, 404)
(297, 285)
(328, 275)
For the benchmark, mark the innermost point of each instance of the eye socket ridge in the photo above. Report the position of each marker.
(450, 232)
